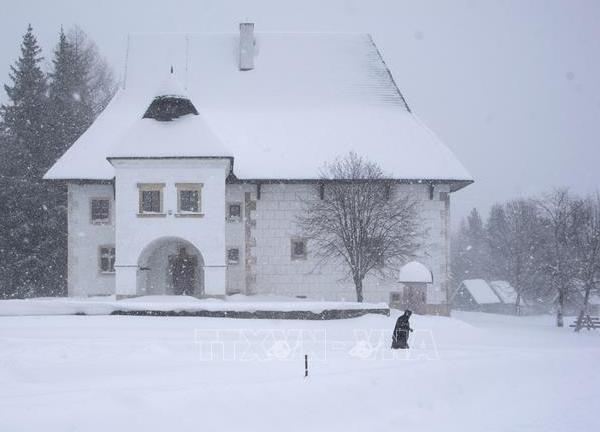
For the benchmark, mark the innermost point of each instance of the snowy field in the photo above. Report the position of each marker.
(473, 372)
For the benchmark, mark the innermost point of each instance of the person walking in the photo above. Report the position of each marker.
(400, 336)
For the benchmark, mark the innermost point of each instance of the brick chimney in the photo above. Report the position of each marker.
(246, 46)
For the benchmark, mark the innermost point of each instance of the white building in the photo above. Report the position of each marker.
(205, 204)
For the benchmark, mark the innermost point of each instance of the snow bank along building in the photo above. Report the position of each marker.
(190, 182)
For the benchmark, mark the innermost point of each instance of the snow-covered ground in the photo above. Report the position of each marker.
(472, 372)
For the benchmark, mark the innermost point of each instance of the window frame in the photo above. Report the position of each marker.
(106, 221)
(192, 187)
(114, 259)
(293, 255)
(151, 187)
(229, 260)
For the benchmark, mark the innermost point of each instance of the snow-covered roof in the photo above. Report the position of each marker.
(481, 291)
(414, 271)
(185, 136)
(505, 291)
(309, 99)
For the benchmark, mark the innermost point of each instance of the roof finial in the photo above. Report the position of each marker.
(171, 68)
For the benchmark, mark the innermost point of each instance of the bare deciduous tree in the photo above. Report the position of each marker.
(560, 208)
(515, 240)
(360, 220)
(587, 246)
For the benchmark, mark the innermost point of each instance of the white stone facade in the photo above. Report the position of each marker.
(85, 239)
(262, 234)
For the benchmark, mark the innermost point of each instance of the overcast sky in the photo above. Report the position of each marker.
(512, 87)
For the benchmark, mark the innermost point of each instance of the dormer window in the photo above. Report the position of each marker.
(171, 102)
(189, 199)
(151, 199)
(167, 108)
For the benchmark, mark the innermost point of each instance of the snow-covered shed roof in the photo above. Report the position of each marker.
(481, 292)
(309, 99)
(414, 271)
(504, 290)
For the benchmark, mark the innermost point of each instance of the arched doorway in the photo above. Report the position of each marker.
(170, 266)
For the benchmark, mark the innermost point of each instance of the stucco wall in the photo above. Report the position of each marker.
(206, 233)
(85, 239)
(262, 235)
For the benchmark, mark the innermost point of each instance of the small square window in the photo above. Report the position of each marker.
(100, 209)
(189, 201)
(151, 201)
(298, 249)
(107, 259)
(189, 198)
(444, 196)
(233, 256)
(234, 214)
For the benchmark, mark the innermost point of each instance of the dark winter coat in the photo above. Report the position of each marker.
(400, 336)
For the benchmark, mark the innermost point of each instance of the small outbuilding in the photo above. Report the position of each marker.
(414, 278)
(476, 295)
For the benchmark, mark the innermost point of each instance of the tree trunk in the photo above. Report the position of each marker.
(518, 304)
(359, 289)
(559, 309)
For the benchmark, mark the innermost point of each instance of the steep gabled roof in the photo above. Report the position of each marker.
(309, 99)
(481, 292)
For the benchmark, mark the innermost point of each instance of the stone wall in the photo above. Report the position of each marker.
(269, 224)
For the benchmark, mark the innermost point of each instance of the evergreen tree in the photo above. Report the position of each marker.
(38, 124)
(70, 98)
(478, 247)
(28, 207)
(24, 116)
(469, 250)
(499, 245)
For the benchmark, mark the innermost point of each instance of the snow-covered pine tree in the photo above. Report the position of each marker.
(29, 244)
(37, 125)
(24, 116)
(69, 97)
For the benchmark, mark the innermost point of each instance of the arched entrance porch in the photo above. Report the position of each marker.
(170, 266)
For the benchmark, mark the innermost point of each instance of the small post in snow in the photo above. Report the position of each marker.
(305, 365)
